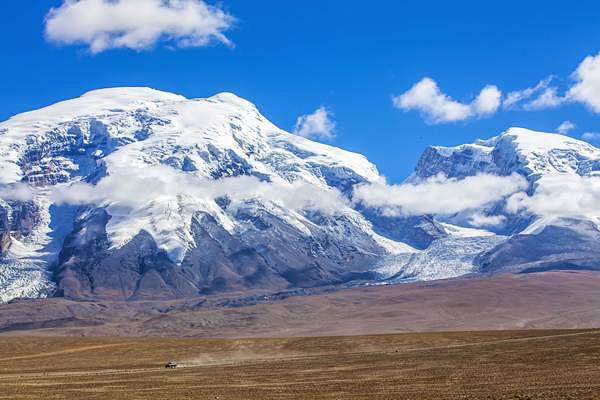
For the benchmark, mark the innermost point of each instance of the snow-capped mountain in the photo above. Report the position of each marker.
(529, 153)
(158, 225)
(542, 237)
(133, 193)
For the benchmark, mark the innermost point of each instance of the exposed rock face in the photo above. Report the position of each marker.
(268, 256)
(4, 230)
(416, 231)
(562, 244)
(17, 220)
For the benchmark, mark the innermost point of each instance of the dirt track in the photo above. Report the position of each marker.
(490, 365)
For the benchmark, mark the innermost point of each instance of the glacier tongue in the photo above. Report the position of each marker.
(445, 258)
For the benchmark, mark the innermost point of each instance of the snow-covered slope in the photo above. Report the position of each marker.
(527, 152)
(163, 165)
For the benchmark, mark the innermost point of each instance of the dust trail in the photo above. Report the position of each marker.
(241, 356)
(236, 357)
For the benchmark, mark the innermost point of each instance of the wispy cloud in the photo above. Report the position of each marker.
(135, 191)
(480, 219)
(513, 99)
(318, 125)
(591, 136)
(16, 192)
(549, 98)
(584, 88)
(437, 107)
(137, 24)
(565, 127)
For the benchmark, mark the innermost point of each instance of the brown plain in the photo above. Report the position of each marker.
(460, 365)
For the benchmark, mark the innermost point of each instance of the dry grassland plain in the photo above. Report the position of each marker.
(534, 364)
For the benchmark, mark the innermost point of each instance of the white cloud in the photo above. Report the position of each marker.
(514, 98)
(16, 192)
(133, 191)
(591, 136)
(487, 102)
(136, 191)
(565, 127)
(586, 89)
(426, 97)
(164, 202)
(479, 219)
(549, 98)
(318, 125)
(560, 195)
(137, 24)
(439, 195)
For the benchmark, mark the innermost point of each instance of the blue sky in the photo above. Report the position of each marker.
(289, 58)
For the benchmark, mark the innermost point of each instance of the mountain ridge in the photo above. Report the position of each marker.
(142, 194)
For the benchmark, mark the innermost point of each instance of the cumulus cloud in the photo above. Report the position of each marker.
(586, 89)
(566, 127)
(487, 102)
(427, 98)
(560, 195)
(137, 24)
(318, 125)
(439, 195)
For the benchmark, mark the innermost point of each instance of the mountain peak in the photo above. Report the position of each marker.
(527, 152)
(228, 97)
(536, 140)
(133, 93)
